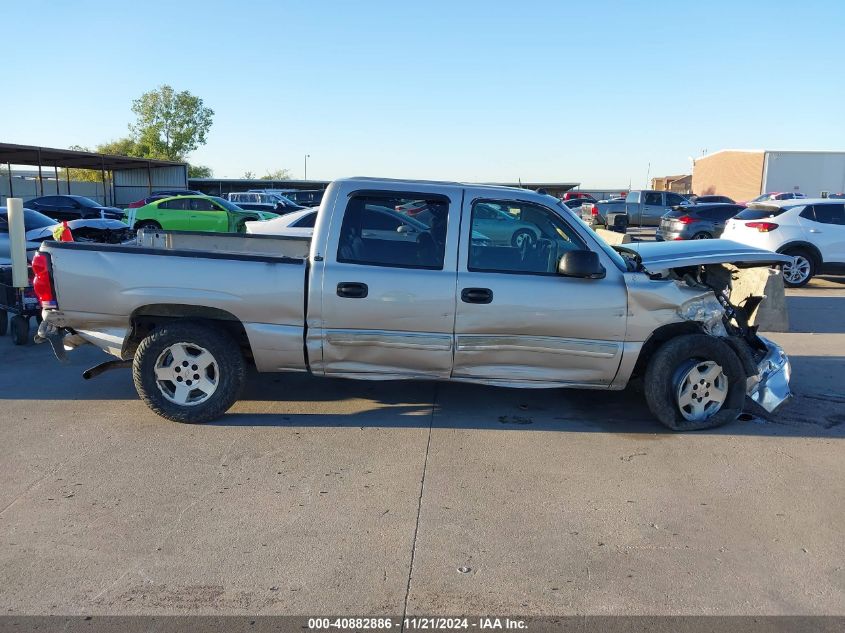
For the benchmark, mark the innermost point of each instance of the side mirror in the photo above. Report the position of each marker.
(405, 229)
(581, 264)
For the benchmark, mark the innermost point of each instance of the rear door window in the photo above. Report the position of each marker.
(673, 199)
(202, 204)
(826, 213)
(374, 233)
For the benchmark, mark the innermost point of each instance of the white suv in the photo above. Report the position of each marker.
(811, 230)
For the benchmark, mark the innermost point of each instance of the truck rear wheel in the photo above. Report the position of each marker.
(188, 372)
(20, 330)
(695, 382)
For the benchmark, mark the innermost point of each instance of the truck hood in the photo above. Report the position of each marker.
(677, 254)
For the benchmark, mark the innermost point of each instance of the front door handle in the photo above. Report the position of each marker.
(352, 290)
(814, 231)
(477, 295)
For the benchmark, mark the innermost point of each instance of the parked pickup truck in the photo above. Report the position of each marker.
(642, 208)
(554, 306)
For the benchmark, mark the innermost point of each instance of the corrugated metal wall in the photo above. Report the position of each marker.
(134, 184)
(28, 189)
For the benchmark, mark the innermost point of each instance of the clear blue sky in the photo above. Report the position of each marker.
(588, 91)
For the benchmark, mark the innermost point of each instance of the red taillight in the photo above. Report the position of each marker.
(42, 283)
(686, 219)
(137, 204)
(763, 227)
(594, 210)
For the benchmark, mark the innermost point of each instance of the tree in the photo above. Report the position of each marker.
(248, 175)
(200, 171)
(125, 146)
(277, 174)
(169, 124)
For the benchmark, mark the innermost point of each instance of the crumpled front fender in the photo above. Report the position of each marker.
(770, 387)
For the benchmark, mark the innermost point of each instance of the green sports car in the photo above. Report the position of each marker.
(194, 213)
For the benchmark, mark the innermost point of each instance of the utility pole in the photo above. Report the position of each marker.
(307, 156)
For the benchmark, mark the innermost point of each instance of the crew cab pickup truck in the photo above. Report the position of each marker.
(553, 306)
(642, 208)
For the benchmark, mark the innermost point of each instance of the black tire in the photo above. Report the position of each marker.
(703, 235)
(147, 224)
(20, 330)
(4, 322)
(806, 259)
(229, 370)
(662, 377)
(523, 236)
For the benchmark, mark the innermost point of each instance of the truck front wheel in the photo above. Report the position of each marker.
(695, 382)
(188, 372)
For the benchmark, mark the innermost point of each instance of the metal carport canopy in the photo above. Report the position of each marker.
(53, 157)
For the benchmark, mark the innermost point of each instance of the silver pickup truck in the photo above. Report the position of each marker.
(641, 208)
(536, 300)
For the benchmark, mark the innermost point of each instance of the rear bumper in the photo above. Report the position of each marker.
(770, 387)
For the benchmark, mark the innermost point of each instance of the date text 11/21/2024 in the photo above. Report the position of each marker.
(429, 623)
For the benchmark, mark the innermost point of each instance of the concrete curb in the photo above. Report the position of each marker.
(612, 237)
(772, 315)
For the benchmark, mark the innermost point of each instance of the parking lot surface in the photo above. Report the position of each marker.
(322, 496)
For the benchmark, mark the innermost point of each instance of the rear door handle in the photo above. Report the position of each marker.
(477, 295)
(352, 290)
(814, 231)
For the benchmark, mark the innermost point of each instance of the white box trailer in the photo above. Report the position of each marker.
(810, 173)
(745, 174)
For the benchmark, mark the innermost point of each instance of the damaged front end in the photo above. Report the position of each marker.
(700, 288)
(766, 364)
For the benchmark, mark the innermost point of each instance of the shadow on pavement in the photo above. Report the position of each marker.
(816, 315)
(31, 373)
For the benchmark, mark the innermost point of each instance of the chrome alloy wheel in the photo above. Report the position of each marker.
(701, 388)
(186, 374)
(798, 270)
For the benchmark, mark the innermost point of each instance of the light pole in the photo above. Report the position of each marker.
(307, 156)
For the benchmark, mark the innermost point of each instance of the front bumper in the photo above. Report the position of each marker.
(770, 387)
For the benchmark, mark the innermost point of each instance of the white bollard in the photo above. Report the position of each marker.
(17, 243)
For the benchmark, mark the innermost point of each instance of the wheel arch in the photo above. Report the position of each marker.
(145, 319)
(138, 223)
(660, 336)
(808, 246)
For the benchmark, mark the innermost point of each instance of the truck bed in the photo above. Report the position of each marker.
(246, 279)
(235, 243)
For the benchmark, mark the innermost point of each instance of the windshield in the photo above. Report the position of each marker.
(86, 202)
(31, 220)
(226, 204)
(284, 199)
(616, 257)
